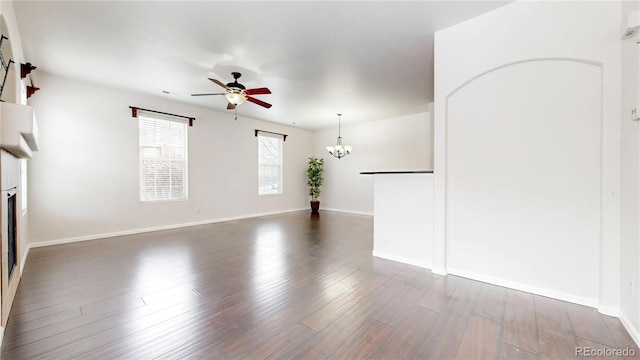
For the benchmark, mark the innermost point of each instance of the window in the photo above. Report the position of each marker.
(163, 159)
(269, 164)
(23, 185)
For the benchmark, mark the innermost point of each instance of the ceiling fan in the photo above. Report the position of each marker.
(236, 93)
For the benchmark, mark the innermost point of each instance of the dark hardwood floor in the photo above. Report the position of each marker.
(286, 286)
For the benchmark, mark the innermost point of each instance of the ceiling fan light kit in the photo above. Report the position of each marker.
(338, 150)
(235, 96)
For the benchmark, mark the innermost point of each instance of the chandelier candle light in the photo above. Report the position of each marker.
(339, 150)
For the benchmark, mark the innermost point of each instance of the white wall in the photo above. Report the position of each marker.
(527, 159)
(387, 145)
(630, 180)
(403, 221)
(84, 179)
(79, 122)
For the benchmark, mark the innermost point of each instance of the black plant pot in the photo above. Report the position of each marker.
(315, 205)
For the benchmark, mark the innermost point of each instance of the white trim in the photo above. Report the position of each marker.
(526, 288)
(157, 228)
(440, 271)
(635, 333)
(350, 212)
(609, 311)
(1, 334)
(24, 261)
(402, 259)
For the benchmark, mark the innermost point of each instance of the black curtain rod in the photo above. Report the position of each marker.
(134, 113)
(284, 136)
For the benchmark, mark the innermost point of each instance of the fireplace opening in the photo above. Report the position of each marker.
(11, 231)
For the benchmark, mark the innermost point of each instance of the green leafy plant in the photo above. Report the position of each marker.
(314, 177)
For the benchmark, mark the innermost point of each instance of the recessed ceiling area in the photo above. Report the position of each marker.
(369, 60)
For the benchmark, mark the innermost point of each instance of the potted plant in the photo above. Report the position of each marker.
(314, 180)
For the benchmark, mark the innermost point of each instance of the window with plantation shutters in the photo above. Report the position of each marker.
(269, 164)
(163, 159)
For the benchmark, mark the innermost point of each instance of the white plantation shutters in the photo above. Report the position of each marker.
(163, 159)
(269, 164)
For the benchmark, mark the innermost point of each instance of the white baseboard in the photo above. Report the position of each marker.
(157, 228)
(402, 259)
(349, 211)
(607, 310)
(24, 260)
(440, 271)
(526, 288)
(505, 283)
(632, 330)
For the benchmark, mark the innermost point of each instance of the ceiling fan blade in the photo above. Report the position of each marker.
(219, 83)
(231, 106)
(259, 102)
(207, 94)
(258, 91)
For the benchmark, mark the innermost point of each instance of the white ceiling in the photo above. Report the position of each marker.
(368, 60)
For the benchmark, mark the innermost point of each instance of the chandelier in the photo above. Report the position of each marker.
(338, 150)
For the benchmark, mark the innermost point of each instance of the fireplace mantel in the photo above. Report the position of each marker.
(19, 130)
